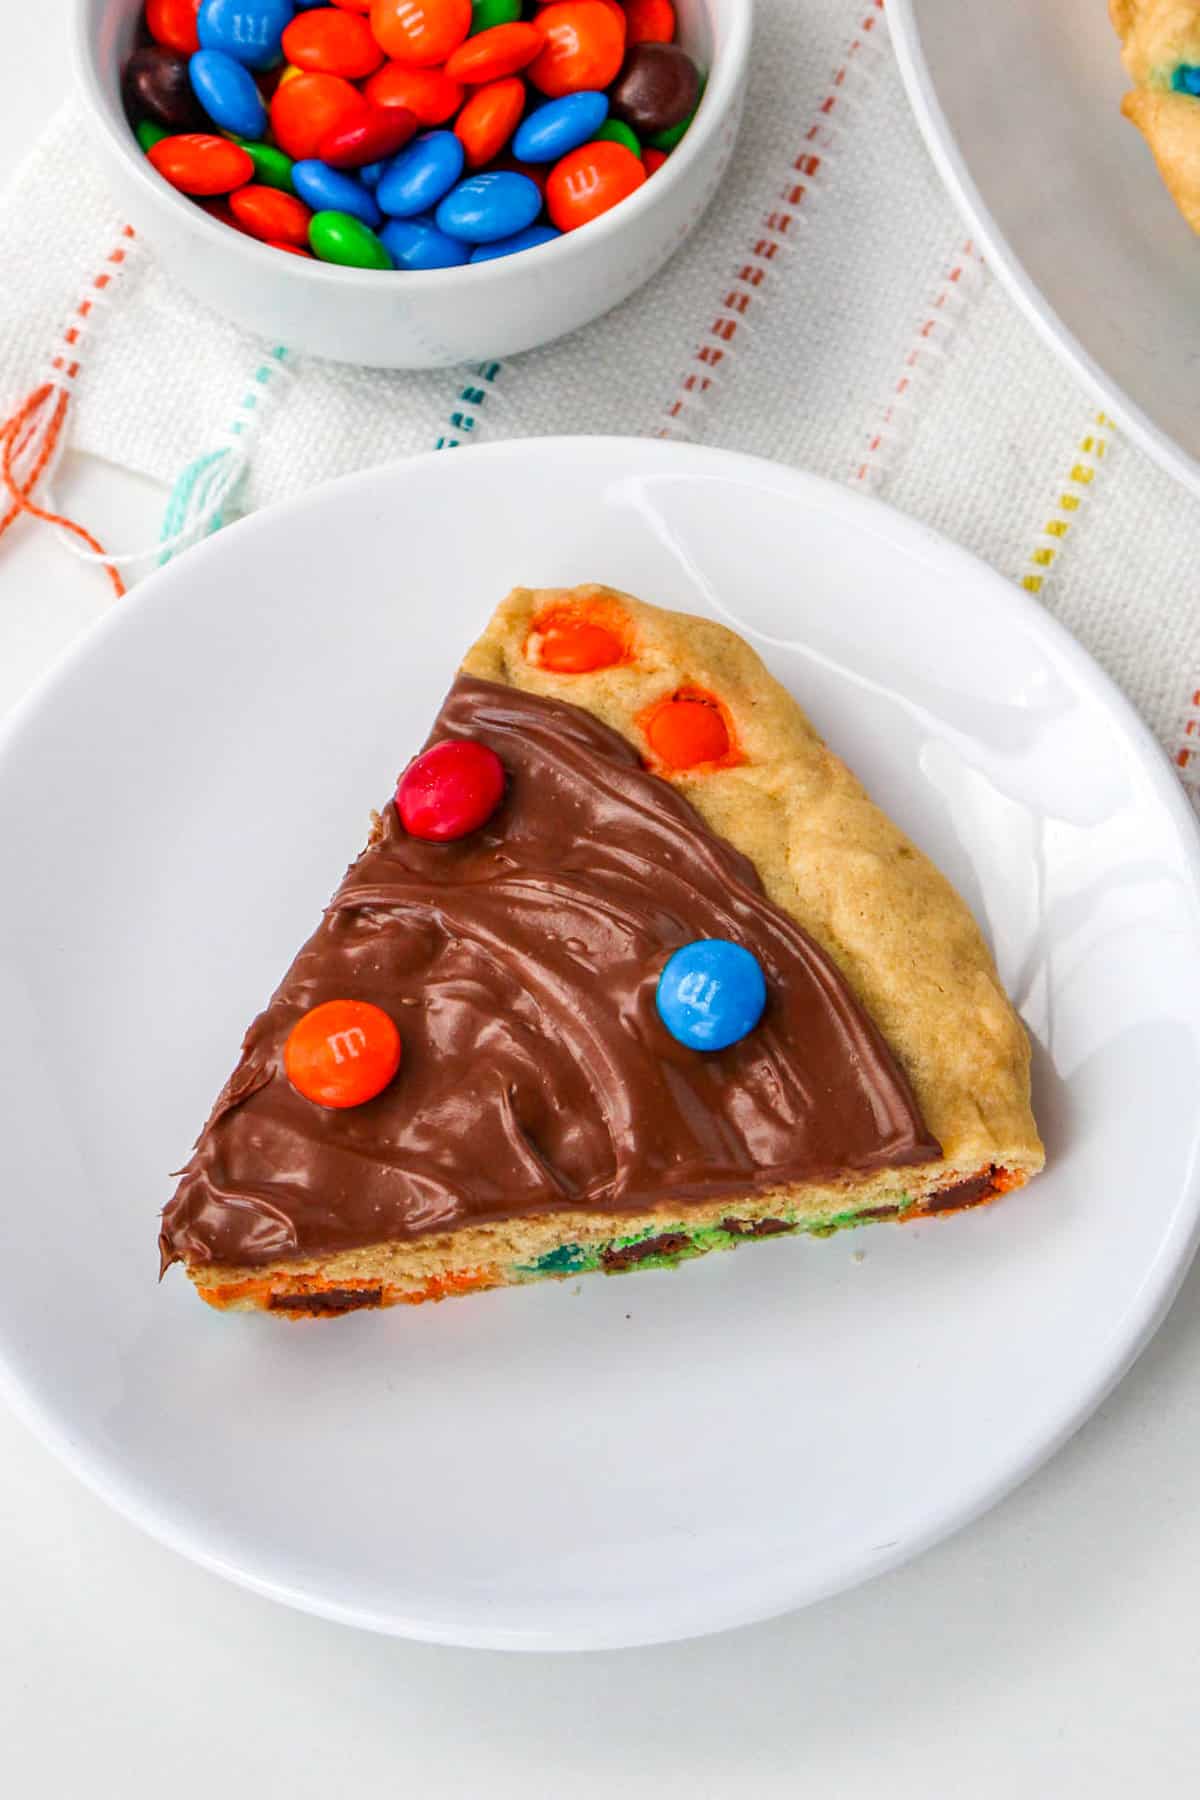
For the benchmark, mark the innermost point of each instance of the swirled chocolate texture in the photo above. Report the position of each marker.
(520, 965)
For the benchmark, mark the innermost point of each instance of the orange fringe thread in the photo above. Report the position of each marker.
(35, 429)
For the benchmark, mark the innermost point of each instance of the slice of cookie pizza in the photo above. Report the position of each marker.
(1161, 51)
(631, 969)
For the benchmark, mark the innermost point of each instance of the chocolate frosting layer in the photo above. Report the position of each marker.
(520, 965)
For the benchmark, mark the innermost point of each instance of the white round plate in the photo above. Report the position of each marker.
(1020, 106)
(605, 1462)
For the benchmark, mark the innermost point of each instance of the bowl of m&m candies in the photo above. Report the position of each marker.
(411, 183)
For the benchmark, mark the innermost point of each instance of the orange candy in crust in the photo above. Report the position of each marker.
(690, 729)
(579, 640)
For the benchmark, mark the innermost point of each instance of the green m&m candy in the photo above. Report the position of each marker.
(615, 131)
(271, 167)
(486, 13)
(339, 237)
(148, 133)
(667, 140)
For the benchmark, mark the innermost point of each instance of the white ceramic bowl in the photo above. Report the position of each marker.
(420, 321)
(1020, 106)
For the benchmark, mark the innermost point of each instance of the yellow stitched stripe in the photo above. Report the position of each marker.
(1089, 454)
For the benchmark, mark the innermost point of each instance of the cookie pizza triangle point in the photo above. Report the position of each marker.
(631, 969)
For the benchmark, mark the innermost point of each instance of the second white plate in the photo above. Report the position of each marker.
(614, 1461)
(1020, 107)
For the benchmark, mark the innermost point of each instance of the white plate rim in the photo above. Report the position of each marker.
(1000, 256)
(1181, 1238)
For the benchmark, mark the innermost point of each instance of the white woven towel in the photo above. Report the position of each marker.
(829, 313)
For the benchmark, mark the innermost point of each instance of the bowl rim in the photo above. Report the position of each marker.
(722, 85)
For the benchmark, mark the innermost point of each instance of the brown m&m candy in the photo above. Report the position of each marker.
(658, 87)
(155, 85)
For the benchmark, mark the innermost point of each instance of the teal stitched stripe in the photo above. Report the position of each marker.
(470, 396)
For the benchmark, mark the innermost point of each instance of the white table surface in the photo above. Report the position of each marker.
(1051, 1649)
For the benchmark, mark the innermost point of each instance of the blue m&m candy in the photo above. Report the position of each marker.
(529, 239)
(418, 244)
(330, 190)
(424, 171)
(227, 91)
(711, 994)
(563, 125)
(486, 208)
(248, 30)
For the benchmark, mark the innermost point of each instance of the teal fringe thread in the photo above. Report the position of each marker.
(198, 502)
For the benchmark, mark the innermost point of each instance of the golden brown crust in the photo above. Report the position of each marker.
(1157, 36)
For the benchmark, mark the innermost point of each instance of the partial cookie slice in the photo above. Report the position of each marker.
(546, 1112)
(1161, 51)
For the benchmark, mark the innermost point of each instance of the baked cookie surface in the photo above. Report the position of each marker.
(1161, 52)
(661, 788)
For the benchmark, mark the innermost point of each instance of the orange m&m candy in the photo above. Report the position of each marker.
(429, 94)
(583, 46)
(342, 1053)
(590, 181)
(576, 646)
(310, 106)
(270, 214)
(491, 54)
(489, 118)
(197, 163)
(423, 32)
(580, 635)
(687, 729)
(332, 42)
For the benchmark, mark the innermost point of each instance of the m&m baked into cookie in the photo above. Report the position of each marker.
(630, 969)
(1161, 50)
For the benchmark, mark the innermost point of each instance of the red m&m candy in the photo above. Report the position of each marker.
(267, 213)
(427, 93)
(173, 23)
(451, 789)
(649, 22)
(380, 132)
(342, 1053)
